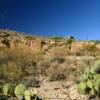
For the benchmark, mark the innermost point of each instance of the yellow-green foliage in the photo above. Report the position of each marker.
(90, 81)
(7, 89)
(44, 98)
(19, 91)
(27, 95)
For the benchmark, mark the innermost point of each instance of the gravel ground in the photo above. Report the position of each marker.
(59, 91)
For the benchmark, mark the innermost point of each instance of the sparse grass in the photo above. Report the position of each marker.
(27, 64)
(57, 38)
(91, 48)
(29, 37)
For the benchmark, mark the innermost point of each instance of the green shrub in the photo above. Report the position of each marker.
(90, 81)
(19, 91)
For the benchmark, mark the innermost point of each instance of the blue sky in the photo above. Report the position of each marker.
(80, 18)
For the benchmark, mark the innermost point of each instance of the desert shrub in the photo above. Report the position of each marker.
(70, 40)
(57, 77)
(90, 81)
(58, 71)
(17, 61)
(11, 71)
(39, 71)
(58, 59)
(91, 48)
(43, 66)
(30, 67)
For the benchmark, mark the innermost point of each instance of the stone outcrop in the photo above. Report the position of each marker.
(13, 39)
(80, 45)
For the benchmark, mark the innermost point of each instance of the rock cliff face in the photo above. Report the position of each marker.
(78, 45)
(13, 39)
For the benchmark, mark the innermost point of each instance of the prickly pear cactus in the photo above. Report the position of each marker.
(7, 89)
(27, 95)
(19, 91)
(91, 82)
(82, 87)
(44, 98)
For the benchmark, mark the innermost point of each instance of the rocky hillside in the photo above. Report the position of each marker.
(13, 39)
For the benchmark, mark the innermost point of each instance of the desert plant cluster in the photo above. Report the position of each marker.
(90, 81)
(19, 91)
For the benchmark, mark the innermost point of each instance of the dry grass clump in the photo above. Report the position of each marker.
(55, 65)
(58, 51)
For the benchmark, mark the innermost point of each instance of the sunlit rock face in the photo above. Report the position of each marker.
(12, 39)
(80, 45)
